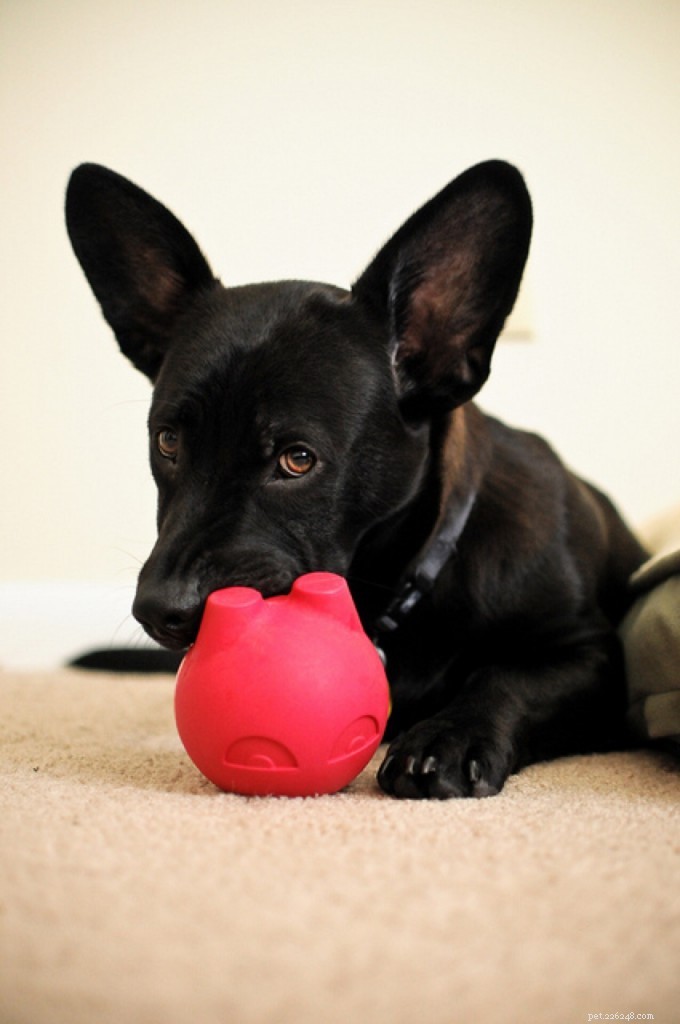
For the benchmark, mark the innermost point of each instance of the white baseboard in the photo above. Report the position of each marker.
(45, 624)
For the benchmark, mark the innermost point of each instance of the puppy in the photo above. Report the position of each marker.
(296, 426)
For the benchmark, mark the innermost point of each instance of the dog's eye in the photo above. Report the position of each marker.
(296, 461)
(167, 443)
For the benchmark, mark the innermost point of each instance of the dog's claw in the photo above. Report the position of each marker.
(385, 766)
(436, 762)
(481, 787)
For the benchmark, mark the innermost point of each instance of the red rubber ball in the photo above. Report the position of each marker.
(283, 696)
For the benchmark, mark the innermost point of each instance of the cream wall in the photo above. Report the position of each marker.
(292, 138)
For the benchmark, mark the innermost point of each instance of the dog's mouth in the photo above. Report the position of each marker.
(171, 613)
(177, 644)
(174, 636)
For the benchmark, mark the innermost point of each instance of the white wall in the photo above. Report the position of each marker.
(292, 138)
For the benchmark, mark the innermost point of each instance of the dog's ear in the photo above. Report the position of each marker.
(445, 283)
(141, 263)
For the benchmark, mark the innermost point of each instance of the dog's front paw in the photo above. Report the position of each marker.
(434, 760)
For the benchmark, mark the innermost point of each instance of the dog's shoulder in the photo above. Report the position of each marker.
(540, 531)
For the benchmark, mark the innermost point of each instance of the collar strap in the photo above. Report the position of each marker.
(420, 580)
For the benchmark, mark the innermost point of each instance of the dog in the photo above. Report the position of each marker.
(296, 426)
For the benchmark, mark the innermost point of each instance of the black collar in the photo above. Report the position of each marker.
(422, 576)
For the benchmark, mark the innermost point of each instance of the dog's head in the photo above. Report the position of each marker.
(290, 418)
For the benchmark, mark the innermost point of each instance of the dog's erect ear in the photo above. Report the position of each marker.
(445, 283)
(142, 264)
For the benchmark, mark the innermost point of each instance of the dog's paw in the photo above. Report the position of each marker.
(434, 760)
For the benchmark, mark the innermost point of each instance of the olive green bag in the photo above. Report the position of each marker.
(651, 640)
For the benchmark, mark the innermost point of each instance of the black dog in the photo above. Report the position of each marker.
(296, 426)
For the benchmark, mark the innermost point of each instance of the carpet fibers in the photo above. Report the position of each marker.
(132, 891)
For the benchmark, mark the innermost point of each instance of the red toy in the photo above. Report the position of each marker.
(284, 696)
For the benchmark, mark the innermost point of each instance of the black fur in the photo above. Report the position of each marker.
(296, 426)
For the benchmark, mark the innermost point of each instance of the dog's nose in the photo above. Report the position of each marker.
(169, 615)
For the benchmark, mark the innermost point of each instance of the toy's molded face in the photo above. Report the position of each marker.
(254, 754)
(358, 736)
(261, 754)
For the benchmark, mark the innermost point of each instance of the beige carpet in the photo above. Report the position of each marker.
(132, 891)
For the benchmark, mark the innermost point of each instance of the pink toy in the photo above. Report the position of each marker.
(282, 696)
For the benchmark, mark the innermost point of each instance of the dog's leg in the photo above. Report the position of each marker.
(503, 718)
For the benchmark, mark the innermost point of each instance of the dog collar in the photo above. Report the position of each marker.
(421, 578)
